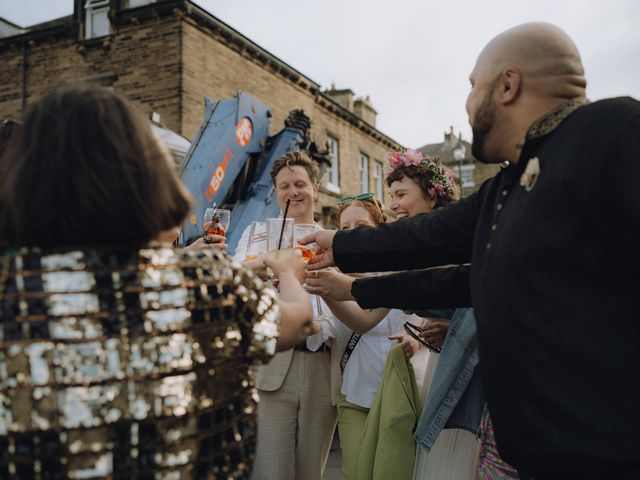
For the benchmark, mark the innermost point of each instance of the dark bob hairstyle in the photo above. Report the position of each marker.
(85, 169)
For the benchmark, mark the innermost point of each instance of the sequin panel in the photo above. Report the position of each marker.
(100, 467)
(67, 328)
(73, 304)
(64, 261)
(159, 256)
(163, 299)
(68, 281)
(40, 360)
(85, 363)
(266, 328)
(165, 320)
(174, 395)
(5, 414)
(87, 406)
(156, 277)
(131, 364)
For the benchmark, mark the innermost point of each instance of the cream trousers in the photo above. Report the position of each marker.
(296, 422)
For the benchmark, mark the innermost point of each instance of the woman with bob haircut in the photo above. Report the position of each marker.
(121, 357)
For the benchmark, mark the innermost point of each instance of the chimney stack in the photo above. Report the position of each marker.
(343, 97)
(363, 108)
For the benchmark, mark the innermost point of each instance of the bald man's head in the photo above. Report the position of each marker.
(543, 53)
(521, 74)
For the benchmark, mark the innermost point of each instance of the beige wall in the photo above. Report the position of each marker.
(10, 82)
(141, 62)
(168, 66)
(482, 172)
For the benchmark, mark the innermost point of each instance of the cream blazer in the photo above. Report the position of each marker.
(270, 377)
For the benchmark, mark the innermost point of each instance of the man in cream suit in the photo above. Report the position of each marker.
(296, 413)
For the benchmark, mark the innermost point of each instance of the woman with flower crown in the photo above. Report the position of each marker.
(419, 185)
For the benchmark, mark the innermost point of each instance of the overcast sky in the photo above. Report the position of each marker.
(413, 57)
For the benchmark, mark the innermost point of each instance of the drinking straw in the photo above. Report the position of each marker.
(284, 219)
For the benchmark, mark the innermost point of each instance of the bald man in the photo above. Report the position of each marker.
(555, 253)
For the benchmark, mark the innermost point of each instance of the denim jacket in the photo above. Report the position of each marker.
(456, 398)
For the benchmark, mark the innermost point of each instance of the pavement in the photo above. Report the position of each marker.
(333, 470)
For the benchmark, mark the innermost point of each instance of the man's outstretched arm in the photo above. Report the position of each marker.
(446, 287)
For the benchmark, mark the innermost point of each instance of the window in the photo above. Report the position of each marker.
(466, 176)
(96, 18)
(333, 182)
(364, 172)
(377, 176)
(139, 3)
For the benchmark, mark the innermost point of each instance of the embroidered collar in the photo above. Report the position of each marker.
(548, 123)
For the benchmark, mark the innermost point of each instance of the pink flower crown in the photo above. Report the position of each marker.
(407, 158)
(441, 179)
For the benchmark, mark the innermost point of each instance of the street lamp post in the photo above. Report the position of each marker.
(459, 152)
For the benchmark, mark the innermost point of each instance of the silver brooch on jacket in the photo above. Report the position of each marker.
(531, 173)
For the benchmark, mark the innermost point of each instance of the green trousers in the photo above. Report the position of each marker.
(351, 420)
(388, 449)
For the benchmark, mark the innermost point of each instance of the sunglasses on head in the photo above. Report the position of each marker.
(359, 197)
(413, 331)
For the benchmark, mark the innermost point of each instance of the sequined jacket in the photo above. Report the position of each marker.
(130, 364)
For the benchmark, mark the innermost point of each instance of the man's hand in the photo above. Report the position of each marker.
(329, 283)
(324, 256)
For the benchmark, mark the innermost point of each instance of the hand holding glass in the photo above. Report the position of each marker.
(216, 222)
(301, 230)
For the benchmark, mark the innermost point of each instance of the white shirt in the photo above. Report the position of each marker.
(243, 244)
(363, 372)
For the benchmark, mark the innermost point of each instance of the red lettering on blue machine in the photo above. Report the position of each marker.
(218, 176)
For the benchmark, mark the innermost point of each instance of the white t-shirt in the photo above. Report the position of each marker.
(243, 244)
(363, 372)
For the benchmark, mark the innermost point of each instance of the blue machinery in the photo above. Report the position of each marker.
(230, 160)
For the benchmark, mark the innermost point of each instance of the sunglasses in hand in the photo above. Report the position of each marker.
(414, 330)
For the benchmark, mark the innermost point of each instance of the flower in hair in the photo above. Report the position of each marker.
(412, 157)
(442, 180)
(451, 177)
(436, 190)
(407, 158)
(394, 159)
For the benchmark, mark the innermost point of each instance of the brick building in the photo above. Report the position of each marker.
(455, 153)
(166, 56)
